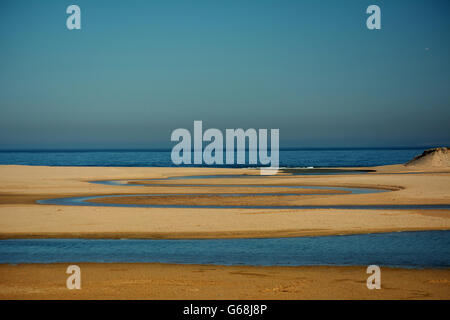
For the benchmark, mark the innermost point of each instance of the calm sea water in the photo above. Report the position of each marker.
(401, 249)
(288, 158)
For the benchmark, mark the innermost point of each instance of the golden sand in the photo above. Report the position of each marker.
(167, 281)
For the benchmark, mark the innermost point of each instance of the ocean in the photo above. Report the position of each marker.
(290, 158)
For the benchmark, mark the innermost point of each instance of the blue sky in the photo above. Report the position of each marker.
(139, 69)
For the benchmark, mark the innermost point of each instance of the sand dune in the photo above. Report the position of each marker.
(435, 158)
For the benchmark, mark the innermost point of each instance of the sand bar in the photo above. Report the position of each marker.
(21, 217)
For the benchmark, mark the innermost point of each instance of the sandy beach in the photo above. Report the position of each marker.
(167, 281)
(22, 217)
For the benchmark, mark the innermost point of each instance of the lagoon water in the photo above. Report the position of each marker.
(84, 201)
(425, 249)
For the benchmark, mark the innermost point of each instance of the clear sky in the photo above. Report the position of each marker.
(139, 69)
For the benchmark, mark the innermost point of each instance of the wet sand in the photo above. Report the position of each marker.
(167, 281)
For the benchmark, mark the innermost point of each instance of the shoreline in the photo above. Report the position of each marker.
(198, 282)
(207, 235)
